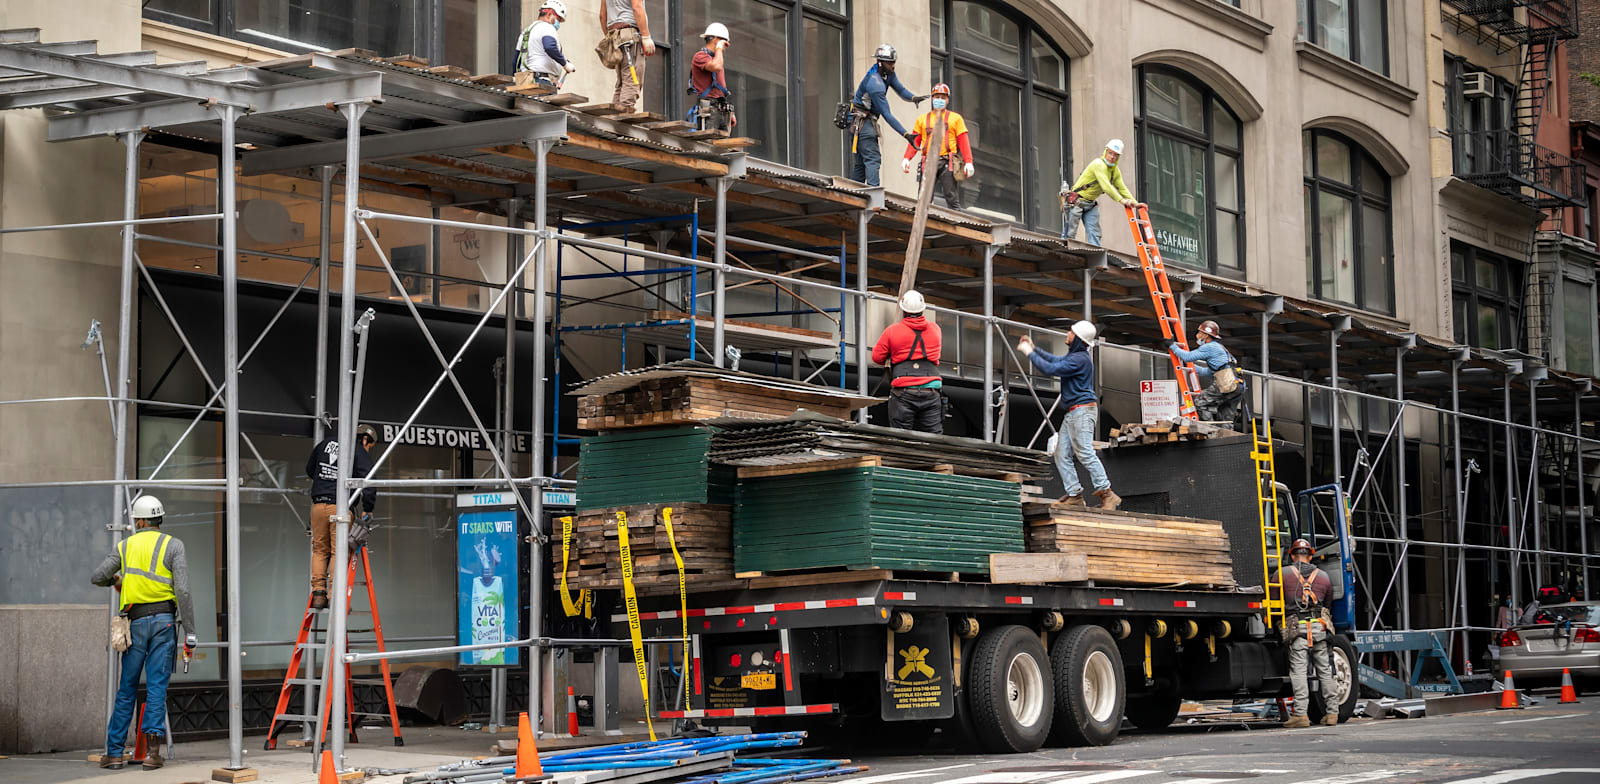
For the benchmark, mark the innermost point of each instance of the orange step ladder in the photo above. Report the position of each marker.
(282, 717)
(1167, 310)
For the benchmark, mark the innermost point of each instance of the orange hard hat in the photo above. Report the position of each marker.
(941, 88)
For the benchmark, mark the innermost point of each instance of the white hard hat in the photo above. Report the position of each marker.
(557, 6)
(912, 302)
(146, 507)
(1085, 332)
(717, 29)
(1115, 145)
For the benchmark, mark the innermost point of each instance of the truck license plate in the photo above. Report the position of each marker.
(759, 680)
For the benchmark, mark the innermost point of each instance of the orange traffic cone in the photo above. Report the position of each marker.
(1568, 693)
(1508, 695)
(528, 767)
(572, 713)
(328, 774)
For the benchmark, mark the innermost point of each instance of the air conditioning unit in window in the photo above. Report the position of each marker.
(1477, 85)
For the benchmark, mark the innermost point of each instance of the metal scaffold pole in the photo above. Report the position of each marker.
(324, 251)
(1513, 541)
(230, 430)
(720, 276)
(541, 148)
(862, 306)
(988, 343)
(130, 211)
(1583, 515)
(1460, 473)
(1400, 487)
(346, 430)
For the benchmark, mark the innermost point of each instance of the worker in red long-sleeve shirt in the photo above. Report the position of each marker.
(910, 347)
(955, 141)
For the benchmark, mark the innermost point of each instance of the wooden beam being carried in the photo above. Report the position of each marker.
(919, 221)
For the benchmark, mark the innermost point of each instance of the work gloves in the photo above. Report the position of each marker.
(570, 67)
(189, 643)
(905, 165)
(912, 137)
(968, 170)
(916, 100)
(649, 46)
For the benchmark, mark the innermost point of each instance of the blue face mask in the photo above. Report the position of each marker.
(940, 103)
(556, 24)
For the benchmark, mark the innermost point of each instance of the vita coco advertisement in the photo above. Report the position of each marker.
(486, 584)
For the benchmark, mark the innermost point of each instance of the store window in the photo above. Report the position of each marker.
(1190, 170)
(1578, 325)
(1009, 80)
(1487, 297)
(1349, 247)
(1481, 117)
(1357, 30)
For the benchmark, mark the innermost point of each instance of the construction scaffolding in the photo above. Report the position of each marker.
(1386, 437)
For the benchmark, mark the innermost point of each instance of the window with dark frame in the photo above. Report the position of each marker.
(1356, 30)
(1487, 297)
(1009, 80)
(389, 27)
(1481, 128)
(1190, 170)
(1349, 223)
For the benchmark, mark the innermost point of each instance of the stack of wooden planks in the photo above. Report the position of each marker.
(685, 392)
(657, 466)
(1166, 431)
(808, 438)
(1128, 548)
(870, 516)
(703, 533)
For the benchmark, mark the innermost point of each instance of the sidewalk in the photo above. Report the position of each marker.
(426, 747)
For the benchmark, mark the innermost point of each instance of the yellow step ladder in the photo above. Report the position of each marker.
(1267, 511)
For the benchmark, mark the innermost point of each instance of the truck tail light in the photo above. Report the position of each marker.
(1510, 639)
(1586, 635)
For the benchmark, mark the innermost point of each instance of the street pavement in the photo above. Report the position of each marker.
(1545, 744)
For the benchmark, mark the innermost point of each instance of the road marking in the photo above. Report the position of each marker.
(1517, 775)
(1358, 778)
(1544, 718)
(910, 774)
(1050, 777)
(1198, 781)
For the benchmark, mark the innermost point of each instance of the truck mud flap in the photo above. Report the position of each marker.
(918, 679)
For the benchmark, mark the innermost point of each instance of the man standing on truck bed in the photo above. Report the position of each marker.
(1305, 588)
(910, 347)
(1223, 392)
(1076, 439)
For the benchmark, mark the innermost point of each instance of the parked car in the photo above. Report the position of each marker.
(1553, 638)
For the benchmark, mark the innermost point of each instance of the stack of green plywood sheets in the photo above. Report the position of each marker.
(873, 517)
(650, 466)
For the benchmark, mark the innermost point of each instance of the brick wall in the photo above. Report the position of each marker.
(1583, 55)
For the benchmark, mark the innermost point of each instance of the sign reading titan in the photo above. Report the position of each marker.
(447, 437)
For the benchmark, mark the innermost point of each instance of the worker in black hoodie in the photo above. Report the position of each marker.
(323, 470)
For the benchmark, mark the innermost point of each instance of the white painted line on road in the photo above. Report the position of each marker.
(1517, 775)
(1544, 718)
(1358, 778)
(1198, 781)
(1051, 777)
(910, 774)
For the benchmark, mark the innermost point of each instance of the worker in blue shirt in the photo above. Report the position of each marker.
(1223, 392)
(871, 101)
(1075, 441)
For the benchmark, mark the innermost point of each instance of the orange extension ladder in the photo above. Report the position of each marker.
(1167, 310)
(282, 717)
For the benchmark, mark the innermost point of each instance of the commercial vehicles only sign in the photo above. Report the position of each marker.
(1158, 400)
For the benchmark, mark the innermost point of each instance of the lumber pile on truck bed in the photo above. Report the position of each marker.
(704, 534)
(1127, 548)
(689, 392)
(806, 437)
(1166, 431)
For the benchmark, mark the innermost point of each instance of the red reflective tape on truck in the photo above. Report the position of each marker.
(1110, 602)
(708, 612)
(900, 596)
(1255, 605)
(725, 713)
(1019, 600)
(1183, 603)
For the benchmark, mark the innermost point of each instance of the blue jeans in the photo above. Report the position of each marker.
(155, 643)
(868, 157)
(1090, 216)
(1076, 442)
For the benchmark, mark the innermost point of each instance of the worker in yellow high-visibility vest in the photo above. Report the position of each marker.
(150, 570)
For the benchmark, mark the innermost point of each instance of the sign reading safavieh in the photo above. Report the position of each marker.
(1158, 401)
(486, 584)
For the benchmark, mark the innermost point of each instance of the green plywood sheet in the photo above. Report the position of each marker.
(656, 466)
(885, 518)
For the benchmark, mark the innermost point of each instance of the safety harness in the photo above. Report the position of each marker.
(716, 84)
(913, 366)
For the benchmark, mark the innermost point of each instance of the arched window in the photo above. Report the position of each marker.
(1349, 244)
(1190, 172)
(1010, 82)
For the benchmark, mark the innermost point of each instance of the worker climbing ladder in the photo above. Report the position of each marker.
(1267, 509)
(1167, 311)
(304, 642)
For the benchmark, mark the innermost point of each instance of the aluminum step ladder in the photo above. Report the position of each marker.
(1167, 311)
(314, 637)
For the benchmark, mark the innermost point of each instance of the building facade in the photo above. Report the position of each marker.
(1437, 200)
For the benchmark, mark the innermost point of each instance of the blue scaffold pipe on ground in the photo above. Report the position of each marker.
(671, 743)
(663, 756)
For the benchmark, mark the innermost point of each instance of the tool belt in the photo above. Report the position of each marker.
(611, 46)
(147, 609)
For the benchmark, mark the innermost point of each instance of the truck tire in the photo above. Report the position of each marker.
(1153, 712)
(1345, 689)
(1090, 688)
(1009, 690)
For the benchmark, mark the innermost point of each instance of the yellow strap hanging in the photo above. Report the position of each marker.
(631, 597)
(585, 602)
(683, 593)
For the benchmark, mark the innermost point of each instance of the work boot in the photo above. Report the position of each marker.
(111, 763)
(1072, 500)
(1296, 722)
(1108, 498)
(1330, 719)
(319, 600)
(152, 754)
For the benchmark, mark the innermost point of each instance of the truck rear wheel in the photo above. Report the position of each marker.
(1010, 690)
(1090, 692)
(1343, 692)
(1153, 712)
